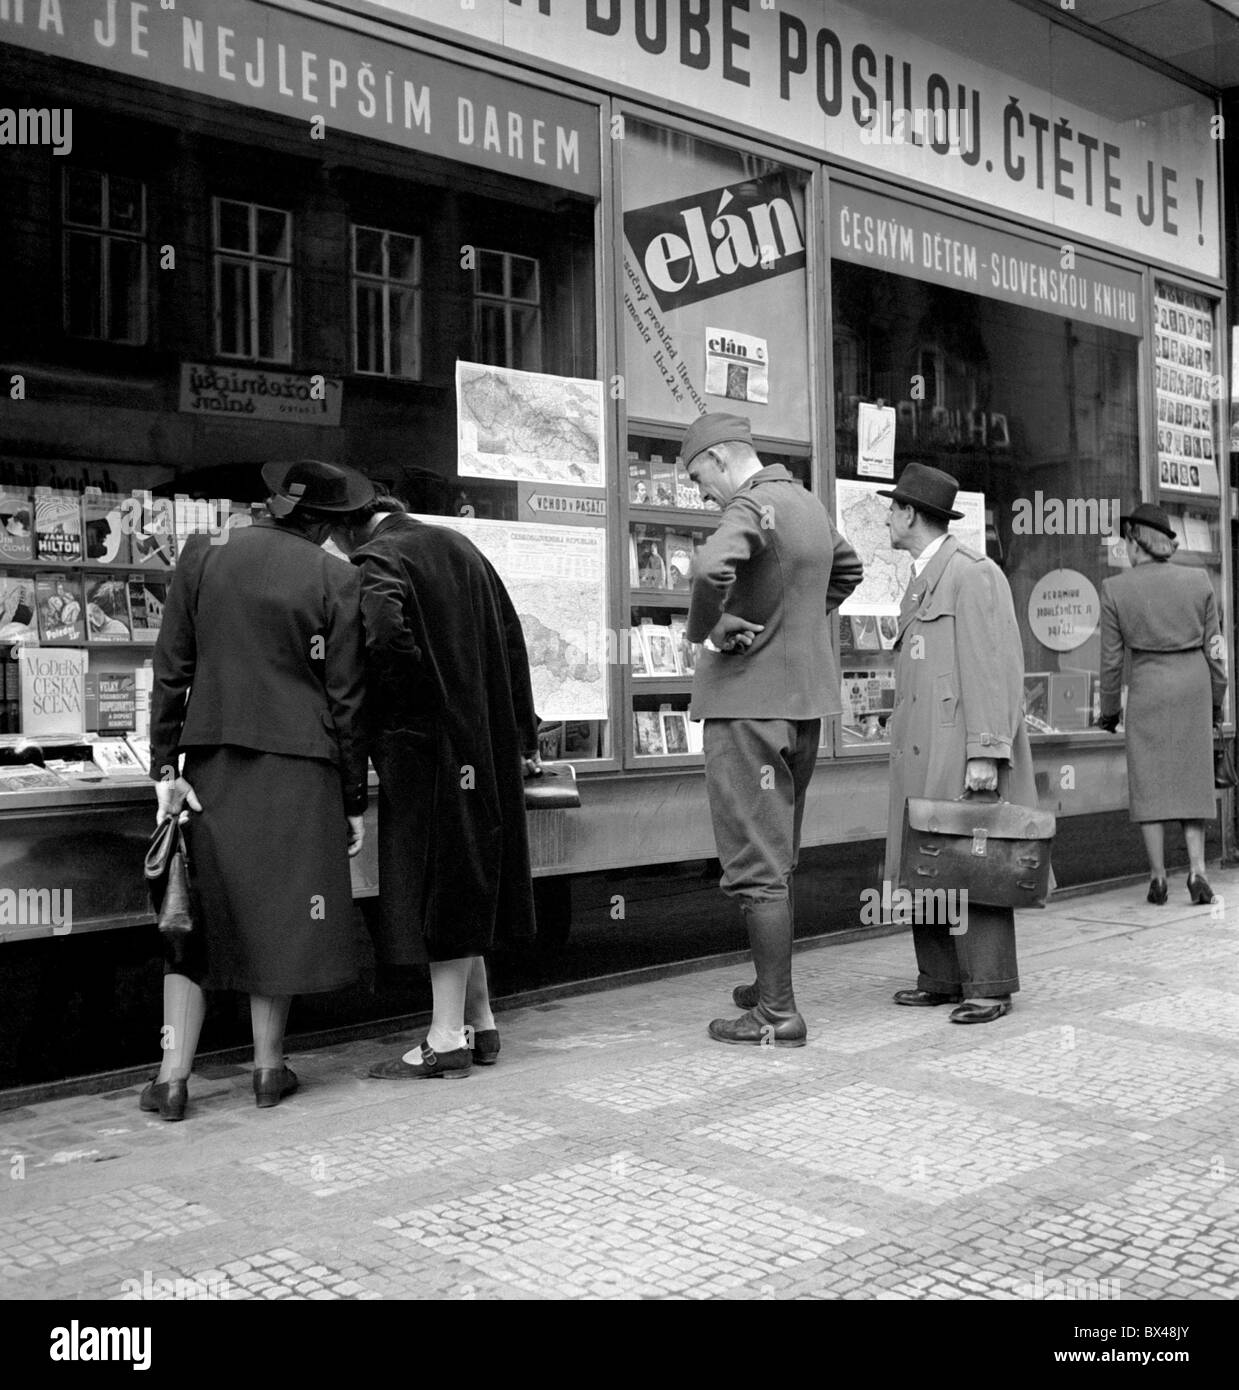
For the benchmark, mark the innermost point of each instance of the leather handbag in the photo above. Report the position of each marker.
(554, 790)
(168, 879)
(1224, 775)
(997, 851)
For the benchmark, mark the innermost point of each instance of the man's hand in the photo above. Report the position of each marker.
(1109, 722)
(531, 767)
(172, 798)
(356, 834)
(734, 634)
(981, 775)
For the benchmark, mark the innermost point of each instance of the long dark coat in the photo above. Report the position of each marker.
(451, 712)
(959, 687)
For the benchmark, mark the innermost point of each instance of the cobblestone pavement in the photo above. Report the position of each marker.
(1083, 1146)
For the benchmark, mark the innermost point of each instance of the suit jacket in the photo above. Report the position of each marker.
(261, 647)
(776, 559)
(959, 687)
(1158, 608)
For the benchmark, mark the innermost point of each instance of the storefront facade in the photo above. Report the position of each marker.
(282, 227)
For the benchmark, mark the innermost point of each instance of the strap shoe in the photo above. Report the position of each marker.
(485, 1047)
(450, 1065)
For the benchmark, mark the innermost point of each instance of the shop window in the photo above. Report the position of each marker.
(253, 281)
(104, 218)
(507, 313)
(1037, 416)
(387, 303)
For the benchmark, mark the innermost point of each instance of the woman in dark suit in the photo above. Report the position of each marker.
(259, 683)
(1165, 617)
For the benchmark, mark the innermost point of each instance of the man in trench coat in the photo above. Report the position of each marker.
(958, 723)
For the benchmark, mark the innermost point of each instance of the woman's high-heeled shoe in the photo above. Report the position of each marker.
(1198, 889)
(1159, 890)
(168, 1097)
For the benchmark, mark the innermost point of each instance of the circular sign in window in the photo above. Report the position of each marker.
(1063, 610)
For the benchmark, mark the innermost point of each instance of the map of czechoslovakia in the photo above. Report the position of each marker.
(862, 519)
(556, 579)
(528, 426)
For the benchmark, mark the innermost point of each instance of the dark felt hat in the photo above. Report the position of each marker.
(1146, 514)
(717, 427)
(322, 487)
(929, 489)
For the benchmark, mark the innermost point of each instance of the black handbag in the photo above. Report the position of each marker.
(997, 851)
(1224, 775)
(554, 790)
(168, 879)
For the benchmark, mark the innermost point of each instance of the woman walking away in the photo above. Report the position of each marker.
(453, 728)
(259, 683)
(1165, 617)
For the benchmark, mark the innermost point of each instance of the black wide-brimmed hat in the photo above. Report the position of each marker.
(1146, 514)
(321, 487)
(928, 489)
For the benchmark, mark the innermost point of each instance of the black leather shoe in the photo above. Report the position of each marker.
(1198, 889)
(981, 1013)
(1159, 890)
(168, 1097)
(746, 996)
(754, 1027)
(485, 1047)
(924, 999)
(451, 1066)
(272, 1084)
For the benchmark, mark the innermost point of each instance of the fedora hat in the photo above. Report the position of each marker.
(718, 427)
(317, 486)
(928, 489)
(1146, 514)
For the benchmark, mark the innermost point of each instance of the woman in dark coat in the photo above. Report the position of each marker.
(259, 683)
(1165, 616)
(453, 730)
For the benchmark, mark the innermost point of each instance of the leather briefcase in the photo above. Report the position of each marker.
(998, 851)
(554, 789)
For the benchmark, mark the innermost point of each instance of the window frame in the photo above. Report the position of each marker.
(105, 235)
(253, 260)
(385, 282)
(508, 302)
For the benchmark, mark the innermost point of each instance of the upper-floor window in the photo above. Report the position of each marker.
(387, 303)
(104, 218)
(507, 317)
(253, 281)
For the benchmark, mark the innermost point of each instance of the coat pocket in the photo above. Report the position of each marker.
(947, 700)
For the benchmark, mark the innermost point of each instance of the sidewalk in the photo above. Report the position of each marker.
(1083, 1146)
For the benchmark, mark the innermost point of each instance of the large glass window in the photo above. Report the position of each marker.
(1036, 415)
(253, 281)
(104, 256)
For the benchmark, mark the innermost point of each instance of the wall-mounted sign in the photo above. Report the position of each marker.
(1107, 149)
(875, 441)
(890, 234)
(247, 393)
(278, 61)
(1063, 610)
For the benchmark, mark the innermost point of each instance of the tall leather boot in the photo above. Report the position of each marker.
(747, 996)
(774, 1022)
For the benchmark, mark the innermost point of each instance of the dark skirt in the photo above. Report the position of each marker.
(269, 853)
(1170, 737)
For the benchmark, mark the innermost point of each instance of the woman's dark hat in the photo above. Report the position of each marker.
(1146, 514)
(322, 487)
(928, 489)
